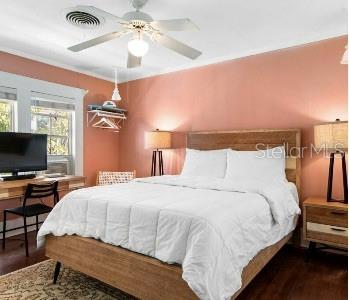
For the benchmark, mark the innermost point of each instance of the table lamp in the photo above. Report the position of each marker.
(333, 137)
(157, 140)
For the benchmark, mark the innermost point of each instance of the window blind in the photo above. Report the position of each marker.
(51, 101)
(8, 93)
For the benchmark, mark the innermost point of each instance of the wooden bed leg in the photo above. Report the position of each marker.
(57, 269)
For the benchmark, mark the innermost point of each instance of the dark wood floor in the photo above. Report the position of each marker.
(13, 258)
(286, 277)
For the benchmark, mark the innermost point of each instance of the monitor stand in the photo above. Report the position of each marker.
(15, 176)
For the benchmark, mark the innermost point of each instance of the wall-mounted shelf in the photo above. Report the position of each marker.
(105, 119)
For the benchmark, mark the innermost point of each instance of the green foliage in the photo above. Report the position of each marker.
(5, 116)
(56, 124)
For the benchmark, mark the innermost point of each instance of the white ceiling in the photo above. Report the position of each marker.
(229, 29)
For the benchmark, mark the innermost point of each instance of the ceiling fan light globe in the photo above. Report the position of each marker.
(138, 47)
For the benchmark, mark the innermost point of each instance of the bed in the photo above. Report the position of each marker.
(146, 277)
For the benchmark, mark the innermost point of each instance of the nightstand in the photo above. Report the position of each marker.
(325, 222)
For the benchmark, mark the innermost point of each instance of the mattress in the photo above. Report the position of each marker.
(213, 228)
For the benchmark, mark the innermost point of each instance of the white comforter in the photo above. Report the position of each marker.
(213, 228)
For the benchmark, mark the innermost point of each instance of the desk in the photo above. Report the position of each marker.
(16, 188)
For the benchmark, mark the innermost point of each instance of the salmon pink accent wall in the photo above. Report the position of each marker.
(292, 88)
(100, 147)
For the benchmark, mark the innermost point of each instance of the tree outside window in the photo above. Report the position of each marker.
(57, 125)
(5, 116)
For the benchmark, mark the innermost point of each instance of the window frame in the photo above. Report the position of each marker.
(12, 113)
(70, 135)
(25, 86)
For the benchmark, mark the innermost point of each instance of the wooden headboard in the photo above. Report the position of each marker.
(249, 139)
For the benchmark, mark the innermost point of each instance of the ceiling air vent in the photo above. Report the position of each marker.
(83, 19)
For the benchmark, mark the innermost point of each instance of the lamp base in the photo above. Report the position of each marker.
(154, 165)
(330, 179)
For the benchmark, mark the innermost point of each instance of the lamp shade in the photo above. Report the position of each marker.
(331, 136)
(157, 139)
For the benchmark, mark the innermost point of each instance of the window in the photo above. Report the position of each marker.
(32, 105)
(8, 97)
(57, 125)
(6, 115)
(54, 118)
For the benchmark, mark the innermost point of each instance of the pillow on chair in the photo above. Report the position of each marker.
(106, 177)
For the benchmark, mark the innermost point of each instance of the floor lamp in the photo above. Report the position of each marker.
(333, 137)
(157, 140)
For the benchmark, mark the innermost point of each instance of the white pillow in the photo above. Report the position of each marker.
(210, 163)
(264, 165)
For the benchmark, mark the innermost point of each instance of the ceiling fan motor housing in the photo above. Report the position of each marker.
(138, 4)
(137, 15)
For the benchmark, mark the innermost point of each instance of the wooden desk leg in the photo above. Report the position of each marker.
(57, 269)
(310, 251)
(4, 230)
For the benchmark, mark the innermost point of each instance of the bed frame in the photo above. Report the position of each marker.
(148, 278)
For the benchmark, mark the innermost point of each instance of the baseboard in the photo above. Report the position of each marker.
(19, 222)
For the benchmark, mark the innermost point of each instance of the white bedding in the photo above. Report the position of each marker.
(213, 228)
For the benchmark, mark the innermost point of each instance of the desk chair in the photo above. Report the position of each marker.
(33, 191)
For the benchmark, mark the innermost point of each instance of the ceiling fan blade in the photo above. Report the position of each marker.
(174, 25)
(133, 61)
(96, 41)
(177, 46)
(97, 11)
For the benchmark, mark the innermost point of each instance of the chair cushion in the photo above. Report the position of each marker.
(106, 177)
(30, 210)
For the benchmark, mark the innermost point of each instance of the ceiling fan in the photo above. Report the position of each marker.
(139, 24)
